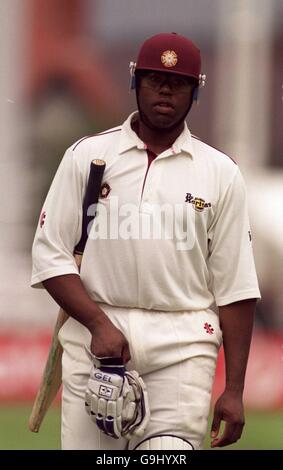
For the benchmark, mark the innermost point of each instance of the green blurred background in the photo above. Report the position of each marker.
(262, 430)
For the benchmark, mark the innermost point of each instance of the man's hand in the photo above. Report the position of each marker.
(109, 341)
(236, 322)
(228, 408)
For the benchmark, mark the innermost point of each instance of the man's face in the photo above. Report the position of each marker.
(164, 99)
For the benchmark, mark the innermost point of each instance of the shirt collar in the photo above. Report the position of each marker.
(129, 139)
(184, 143)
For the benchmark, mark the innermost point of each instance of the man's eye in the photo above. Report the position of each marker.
(179, 82)
(155, 79)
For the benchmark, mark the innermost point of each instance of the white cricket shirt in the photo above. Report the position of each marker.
(172, 236)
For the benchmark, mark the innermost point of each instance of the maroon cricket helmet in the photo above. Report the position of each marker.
(170, 52)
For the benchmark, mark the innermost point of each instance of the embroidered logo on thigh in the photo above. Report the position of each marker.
(208, 328)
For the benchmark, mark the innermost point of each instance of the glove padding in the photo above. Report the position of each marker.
(116, 399)
(137, 425)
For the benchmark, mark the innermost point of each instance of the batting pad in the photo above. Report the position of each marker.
(164, 442)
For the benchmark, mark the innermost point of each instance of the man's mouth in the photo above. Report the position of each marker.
(163, 106)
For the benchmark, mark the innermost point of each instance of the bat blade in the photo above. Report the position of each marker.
(51, 379)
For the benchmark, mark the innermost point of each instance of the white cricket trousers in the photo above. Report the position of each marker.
(174, 352)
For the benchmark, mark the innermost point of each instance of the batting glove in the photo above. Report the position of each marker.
(116, 399)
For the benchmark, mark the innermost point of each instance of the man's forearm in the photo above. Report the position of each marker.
(237, 323)
(68, 291)
(106, 339)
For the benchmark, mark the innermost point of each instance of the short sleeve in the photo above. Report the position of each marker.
(231, 261)
(58, 229)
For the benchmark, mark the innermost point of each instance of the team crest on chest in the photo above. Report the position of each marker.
(199, 204)
(104, 190)
(169, 59)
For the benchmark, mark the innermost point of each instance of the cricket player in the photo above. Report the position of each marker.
(167, 273)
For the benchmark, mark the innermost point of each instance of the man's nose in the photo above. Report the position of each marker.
(165, 87)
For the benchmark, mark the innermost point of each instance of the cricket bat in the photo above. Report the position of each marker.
(52, 375)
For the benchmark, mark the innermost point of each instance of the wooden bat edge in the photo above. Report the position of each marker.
(48, 389)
